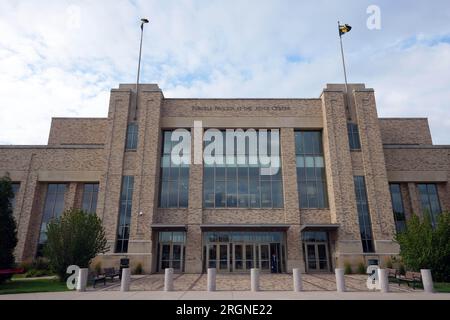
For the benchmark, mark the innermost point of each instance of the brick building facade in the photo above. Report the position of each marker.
(363, 176)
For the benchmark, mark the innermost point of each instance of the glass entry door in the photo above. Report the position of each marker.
(218, 256)
(171, 256)
(245, 257)
(261, 256)
(241, 251)
(317, 257)
(264, 250)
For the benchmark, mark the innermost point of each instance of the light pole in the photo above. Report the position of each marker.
(143, 22)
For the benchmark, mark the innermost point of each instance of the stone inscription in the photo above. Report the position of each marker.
(239, 109)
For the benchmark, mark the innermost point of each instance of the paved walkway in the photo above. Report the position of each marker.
(241, 282)
(236, 287)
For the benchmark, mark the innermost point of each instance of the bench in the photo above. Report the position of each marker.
(410, 278)
(97, 277)
(392, 273)
(111, 273)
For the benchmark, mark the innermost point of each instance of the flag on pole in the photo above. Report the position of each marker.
(343, 29)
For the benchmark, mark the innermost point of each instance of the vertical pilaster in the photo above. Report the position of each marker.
(444, 196)
(291, 204)
(110, 187)
(28, 219)
(380, 206)
(195, 209)
(339, 173)
(414, 198)
(289, 167)
(147, 157)
(70, 196)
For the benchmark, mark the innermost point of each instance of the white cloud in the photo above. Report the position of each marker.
(53, 63)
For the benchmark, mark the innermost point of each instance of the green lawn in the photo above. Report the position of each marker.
(442, 287)
(30, 286)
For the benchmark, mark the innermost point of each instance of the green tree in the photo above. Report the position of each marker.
(75, 238)
(8, 228)
(425, 247)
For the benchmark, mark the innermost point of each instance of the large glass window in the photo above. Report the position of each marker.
(174, 186)
(90, 195)
(430, 201)
(365, 225)
(126, 201)
(53, 208)
(353, 136)
(132, 136)
(311, 178)
(243, 185)
(15, 190)
(397, 206)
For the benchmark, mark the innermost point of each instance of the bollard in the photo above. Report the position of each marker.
(340, 280)
(297, 280)
(383, 277)
(82, 280)
(255, 280)
(125, 280)
(168, 280)
(427, 280)
(212, 279)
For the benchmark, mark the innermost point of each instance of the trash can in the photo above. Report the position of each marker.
(124, 264)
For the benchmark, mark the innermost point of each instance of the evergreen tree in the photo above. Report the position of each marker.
(8, 228)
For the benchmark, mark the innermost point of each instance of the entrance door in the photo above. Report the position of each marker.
(171, 256)
(239, 257)
(317, 257)
(264, 257)
(218, 257)
(244, 257)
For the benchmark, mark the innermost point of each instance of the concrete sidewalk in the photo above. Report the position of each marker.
(225, 295)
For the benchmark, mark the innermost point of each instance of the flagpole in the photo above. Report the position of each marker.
(143, 22)
(343, 60)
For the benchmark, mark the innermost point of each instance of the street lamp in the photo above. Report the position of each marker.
(143, 22)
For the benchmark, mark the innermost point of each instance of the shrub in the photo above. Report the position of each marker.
(75, 238)
(138, 269)
(348, 268)
(425, 247)
(8, 228)
(362, 269)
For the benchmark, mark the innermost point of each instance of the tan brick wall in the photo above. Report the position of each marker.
(77, 131)
(416, 159)
(405, 131)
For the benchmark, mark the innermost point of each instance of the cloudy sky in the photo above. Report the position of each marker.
(61, 58)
